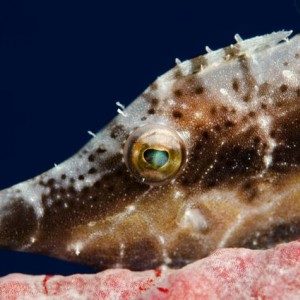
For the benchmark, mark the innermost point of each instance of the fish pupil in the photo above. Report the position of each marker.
(156, 158)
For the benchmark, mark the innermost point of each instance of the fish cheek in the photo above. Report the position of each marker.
(71, 209)
(122, 240)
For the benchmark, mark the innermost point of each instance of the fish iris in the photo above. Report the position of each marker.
(156, 158)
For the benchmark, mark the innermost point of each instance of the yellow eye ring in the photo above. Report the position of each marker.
(154, 154)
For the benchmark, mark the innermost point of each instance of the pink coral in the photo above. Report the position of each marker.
(226, 274)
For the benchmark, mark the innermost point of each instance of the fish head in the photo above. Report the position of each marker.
(206, 157)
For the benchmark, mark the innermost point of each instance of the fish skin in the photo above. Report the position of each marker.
(237, 110)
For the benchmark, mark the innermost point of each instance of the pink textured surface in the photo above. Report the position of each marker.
(226, 274)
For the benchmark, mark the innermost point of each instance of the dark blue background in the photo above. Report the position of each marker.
(64, 64)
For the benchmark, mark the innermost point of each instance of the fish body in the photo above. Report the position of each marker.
(207, 157)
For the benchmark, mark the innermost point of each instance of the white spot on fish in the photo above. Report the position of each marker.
(130, 209)
(224, 92)
(291, 77)
(161, 239)
(171, 102)
(177, 194)
(76, 247)
(92, 224)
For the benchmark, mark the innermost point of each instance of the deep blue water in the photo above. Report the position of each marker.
(64, 64)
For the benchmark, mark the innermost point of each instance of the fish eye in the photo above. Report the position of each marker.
(154, 154)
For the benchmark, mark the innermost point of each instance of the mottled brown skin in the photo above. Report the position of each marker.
(224, 179)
